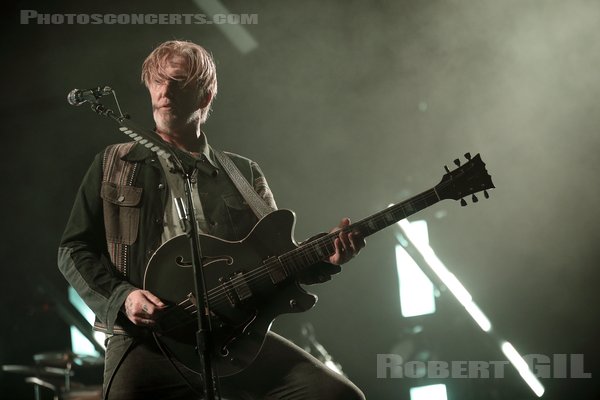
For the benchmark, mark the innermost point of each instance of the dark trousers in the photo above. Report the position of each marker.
(136, 369)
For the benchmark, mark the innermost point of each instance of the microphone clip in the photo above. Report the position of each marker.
(77, 97)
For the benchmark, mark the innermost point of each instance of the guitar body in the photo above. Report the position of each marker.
(252, 281)
(245, 297)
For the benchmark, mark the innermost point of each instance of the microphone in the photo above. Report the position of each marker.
(77, 97)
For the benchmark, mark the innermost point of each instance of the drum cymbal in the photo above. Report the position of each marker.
(66, 359)
(36, 370)
(88, 393)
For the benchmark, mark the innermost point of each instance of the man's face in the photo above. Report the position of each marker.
(173, 105)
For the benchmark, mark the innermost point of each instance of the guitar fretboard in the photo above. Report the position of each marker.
(320, 249)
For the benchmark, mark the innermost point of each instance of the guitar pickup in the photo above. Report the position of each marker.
(236, 288)
(241, 287)
(277, 272)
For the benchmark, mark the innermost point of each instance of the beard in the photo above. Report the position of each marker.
(167, 121)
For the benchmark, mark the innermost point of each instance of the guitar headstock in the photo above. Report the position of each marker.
(467, 179)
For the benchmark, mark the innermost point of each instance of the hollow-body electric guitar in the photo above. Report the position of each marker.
(252, 281)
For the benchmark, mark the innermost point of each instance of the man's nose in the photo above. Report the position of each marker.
(170, 87)
(164, 90)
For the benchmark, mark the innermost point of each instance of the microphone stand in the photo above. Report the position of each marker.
(183, 164)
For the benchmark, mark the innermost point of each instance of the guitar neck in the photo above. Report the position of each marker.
(320, 249)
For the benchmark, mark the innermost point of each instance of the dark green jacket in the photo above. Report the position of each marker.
(124, 221)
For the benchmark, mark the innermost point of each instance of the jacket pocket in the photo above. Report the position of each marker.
(121, 212)
(241, 217)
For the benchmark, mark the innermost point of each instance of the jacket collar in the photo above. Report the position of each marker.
(139, 153)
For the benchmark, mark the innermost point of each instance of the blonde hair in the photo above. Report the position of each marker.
(202, 70)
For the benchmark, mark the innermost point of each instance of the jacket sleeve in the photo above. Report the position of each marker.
(82, 255)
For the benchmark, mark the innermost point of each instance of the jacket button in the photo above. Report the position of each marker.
(158, 220)
(161, 186)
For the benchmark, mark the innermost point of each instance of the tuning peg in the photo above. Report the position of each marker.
(457, 162)
(474, 198)
(463, 202)
(468, 156)
(446, 168)
(486, 194)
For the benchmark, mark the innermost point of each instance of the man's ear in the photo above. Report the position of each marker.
(206, 100)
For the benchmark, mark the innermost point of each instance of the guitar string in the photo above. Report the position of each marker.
(297, 254)
(376, 218)
(218, 296)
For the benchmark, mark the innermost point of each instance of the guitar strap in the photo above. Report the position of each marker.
(258, 205)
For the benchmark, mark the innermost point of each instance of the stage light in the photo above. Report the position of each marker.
(442, 275)
(429, 392)
(237, 34)
(446, 277)
(521, 365)
(79, 343)
(417, 293)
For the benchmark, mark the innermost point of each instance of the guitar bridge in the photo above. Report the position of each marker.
(192, 299)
